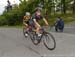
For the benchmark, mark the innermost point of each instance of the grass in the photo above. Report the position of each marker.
(66, 18)
(11, 27)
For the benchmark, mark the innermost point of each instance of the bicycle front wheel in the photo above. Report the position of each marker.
(49, 41)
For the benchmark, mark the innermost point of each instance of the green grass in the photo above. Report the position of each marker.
(11, 27)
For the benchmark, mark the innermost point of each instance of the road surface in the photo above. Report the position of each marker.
(13, 44)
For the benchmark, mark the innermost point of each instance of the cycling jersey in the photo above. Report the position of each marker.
(26, 18)
(37, 17)
(28, 21)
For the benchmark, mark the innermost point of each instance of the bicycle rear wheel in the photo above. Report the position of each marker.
(49, 41)
(35, 39)
(24, 31)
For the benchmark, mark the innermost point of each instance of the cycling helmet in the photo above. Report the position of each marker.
(27, 13)
(38, 9)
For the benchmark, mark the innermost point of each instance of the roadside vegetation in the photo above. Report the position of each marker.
(14, 16)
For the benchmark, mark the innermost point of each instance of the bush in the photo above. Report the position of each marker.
(3, 21)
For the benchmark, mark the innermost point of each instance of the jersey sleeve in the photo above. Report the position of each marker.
(33, 16)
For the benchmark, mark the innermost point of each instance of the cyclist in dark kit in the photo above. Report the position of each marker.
(38, 16)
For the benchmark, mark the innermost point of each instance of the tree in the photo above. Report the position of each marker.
(63, 6)
(8, 7)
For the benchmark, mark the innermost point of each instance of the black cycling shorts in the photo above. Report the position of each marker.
(30, 23)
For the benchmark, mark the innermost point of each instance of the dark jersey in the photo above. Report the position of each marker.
(34, 16)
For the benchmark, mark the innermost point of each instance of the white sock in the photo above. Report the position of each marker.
(39, 34)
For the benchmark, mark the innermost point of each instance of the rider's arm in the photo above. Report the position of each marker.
(45, 21)
(36, 22)
(24, 22)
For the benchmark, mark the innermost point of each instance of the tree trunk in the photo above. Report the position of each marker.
(73, 7)
(63, 6)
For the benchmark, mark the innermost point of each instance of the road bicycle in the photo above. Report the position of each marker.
(46, 37)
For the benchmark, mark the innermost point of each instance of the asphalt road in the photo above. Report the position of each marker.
(14, 44)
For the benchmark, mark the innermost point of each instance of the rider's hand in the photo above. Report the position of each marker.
(26, 25)
(39, 26)
(46, 25)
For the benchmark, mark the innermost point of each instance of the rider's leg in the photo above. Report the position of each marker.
(27, 29)
(38, 30)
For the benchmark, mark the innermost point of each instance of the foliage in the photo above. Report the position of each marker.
(3, 21)
(15, 16)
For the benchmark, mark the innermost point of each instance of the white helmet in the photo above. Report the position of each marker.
(27, 13)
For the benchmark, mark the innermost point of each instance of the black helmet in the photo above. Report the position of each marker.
(38, 9)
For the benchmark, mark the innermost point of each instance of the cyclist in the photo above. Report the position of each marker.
(26, 19)
(38, 16)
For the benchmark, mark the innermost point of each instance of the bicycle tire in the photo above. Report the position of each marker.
(24, 31)
(34, 38)
(48, 37)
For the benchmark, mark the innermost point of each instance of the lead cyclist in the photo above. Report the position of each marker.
(36, 17)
